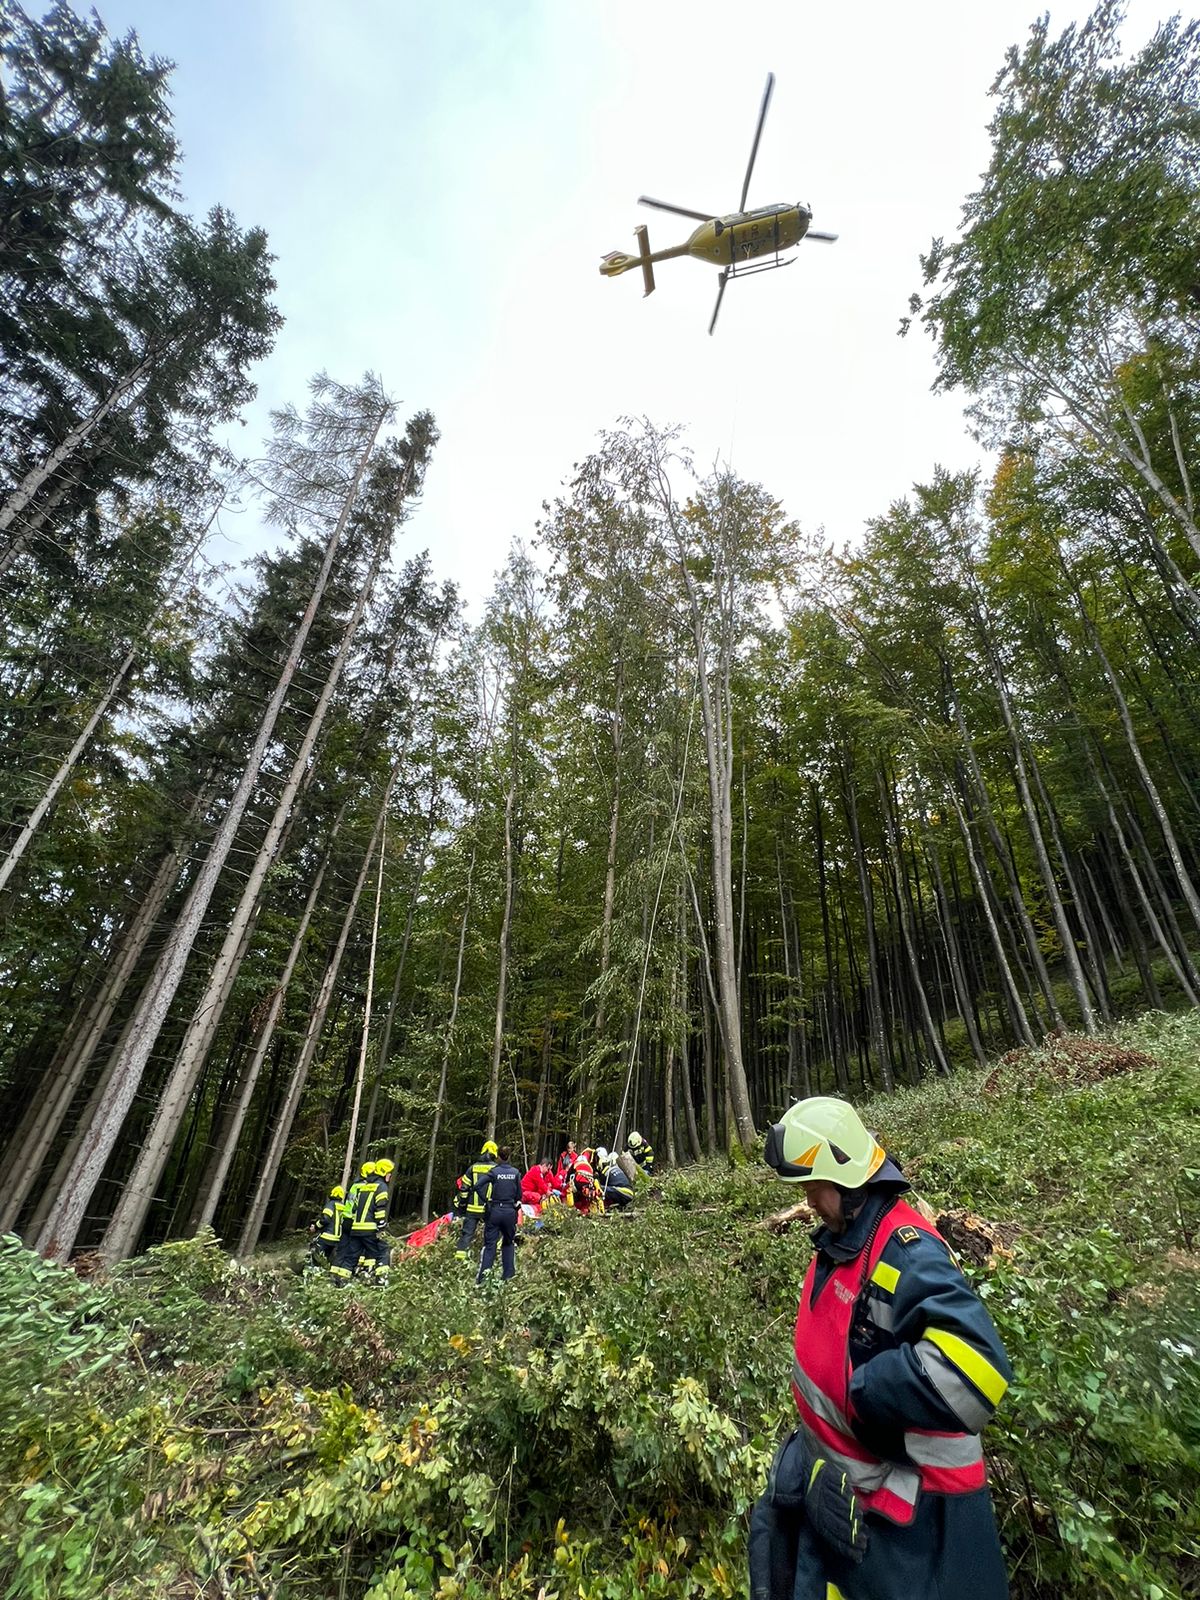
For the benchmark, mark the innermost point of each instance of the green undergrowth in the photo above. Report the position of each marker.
(599, 1427)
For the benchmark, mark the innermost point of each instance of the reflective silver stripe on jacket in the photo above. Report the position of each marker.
(954, 1390)
(866, 1476)
(942, 1450)
(882, 1313)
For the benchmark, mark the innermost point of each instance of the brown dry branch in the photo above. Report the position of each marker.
(781, 1221)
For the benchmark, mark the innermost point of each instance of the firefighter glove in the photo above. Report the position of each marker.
(834, 1510)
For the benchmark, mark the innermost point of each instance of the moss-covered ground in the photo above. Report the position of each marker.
(598, 1428)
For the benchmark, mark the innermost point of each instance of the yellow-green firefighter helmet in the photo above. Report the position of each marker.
(823, 1139)
(337, 1192)
(368, 1169)
(385, 1168)
(490, 1148)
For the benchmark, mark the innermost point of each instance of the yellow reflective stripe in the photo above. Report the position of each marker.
(832, 1592)
(886, 1277)
(970, 1363)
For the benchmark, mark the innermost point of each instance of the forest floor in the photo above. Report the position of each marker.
(599, 1427)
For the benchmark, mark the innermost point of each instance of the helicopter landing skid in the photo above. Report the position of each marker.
(749, 268)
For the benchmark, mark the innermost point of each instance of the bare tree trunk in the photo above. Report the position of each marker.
(590, 1089)
(914, 966)
(287, 1116)
(138, 1193)
(502, 980)
(1021, 911)
(875, 1008)
(685, 1068)
(57, 1238)
(16, 503)
(67, 766)
(348, 1165)
(717, 716)
(539, 1113)
(39, 1127)
(1182, 875)
(448, 1043)
(983, 889)
(1033, 824)
(231, 1134)
(962, 992)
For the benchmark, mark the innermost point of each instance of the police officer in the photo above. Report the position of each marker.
(360, 1229)
(329, 1229)
(501, 1189)
(642, 1152)
(469, 1184)
(881, 1492)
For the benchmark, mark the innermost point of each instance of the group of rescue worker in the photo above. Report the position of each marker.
(350, 1236)
(493, 1191)
(880, 1492)
(350, 1233)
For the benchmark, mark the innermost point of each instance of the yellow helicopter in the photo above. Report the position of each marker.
(731, 242)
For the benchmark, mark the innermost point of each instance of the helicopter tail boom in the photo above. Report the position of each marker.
(643, 238)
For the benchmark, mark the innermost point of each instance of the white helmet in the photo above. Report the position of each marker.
(601, 1154)
(823, 1139)
(635, 1139)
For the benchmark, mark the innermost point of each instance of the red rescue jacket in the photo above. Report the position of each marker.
(938, 1463)
(535, 1186)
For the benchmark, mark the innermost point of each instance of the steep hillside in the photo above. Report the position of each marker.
(190, 1427)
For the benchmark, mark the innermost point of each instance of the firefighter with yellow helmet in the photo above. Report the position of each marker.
(471, 1189)
(327, 1231)
(362, 1247)
(881, 1492)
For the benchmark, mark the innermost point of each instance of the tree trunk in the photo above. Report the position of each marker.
(348, 1164)
(138, 1194)
(58, 1237)
(448, 1043)
(231, 1134)
(48, 1108)
(17, 502)
(502, 979)
(287, 1116)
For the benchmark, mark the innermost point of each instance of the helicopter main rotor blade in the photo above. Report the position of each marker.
(720, 294)
(825, 238)
(762, 117)
(663, 205)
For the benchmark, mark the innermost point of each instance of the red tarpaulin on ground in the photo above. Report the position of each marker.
(427, 1234)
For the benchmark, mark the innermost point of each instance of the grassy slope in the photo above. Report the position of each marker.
(599, 1426)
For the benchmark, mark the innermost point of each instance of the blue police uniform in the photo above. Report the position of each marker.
(925, 1361)
(501, 1192)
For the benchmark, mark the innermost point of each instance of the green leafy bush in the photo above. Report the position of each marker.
(599, 1427)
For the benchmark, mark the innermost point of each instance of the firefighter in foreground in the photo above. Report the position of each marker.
(500, 1188)
(473, 1203)
(880, 1493)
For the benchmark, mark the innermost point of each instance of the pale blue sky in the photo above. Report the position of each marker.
(439, 181)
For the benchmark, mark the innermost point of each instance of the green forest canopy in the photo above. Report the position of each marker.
(700, 815)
